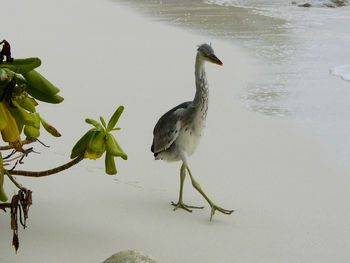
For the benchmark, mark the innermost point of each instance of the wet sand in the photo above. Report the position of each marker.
(289, 194)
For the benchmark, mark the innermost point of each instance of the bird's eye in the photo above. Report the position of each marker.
(207, 54)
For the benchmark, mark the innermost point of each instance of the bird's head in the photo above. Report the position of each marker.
(206, 52)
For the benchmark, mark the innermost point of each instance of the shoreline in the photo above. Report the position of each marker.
(294, 83)
(288, 194)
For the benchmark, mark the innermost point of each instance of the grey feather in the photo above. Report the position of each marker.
(168, 126)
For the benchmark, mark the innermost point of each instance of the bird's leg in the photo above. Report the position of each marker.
(212, 205)
(182, 180)
(180, 204)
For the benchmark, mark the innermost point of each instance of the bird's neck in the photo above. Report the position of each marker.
(202, 91)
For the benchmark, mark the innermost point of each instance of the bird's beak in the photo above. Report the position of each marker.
(215, 60)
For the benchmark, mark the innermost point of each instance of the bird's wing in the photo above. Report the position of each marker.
(168, 127)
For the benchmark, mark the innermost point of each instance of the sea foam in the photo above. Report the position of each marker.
(342, 71)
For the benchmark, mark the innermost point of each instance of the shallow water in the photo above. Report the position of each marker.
(298, 48)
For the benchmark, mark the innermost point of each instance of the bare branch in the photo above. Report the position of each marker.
(9, 147)
(43, 144)
(14, 158)
(3, 206)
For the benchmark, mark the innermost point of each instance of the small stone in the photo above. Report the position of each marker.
(129, 256)
(340, 3)
(305, 5)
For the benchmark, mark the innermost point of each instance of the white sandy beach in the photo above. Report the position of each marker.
(291, 197)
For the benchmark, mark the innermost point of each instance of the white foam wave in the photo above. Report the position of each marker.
(342, 71)
(288, 11)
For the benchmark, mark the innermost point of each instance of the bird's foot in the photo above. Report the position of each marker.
(181, 205)
(222, 210)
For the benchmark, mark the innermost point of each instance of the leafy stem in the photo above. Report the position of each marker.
(50, 171)
(13, 180)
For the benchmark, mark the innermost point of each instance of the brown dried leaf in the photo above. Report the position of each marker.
(15, 240)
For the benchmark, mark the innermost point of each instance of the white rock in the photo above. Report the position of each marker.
(129, 256)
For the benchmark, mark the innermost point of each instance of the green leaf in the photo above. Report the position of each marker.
(110, 164)
(114, 119)
(31, 131)
(28, 103)
(3, 197)
(103, 122)
(96, 146)
(36, 93)
(36, 118)
(22, 66)
(81, 145)
(27, 118)
(49, 128)
(94, 123)
(36, 81)
(113, 148)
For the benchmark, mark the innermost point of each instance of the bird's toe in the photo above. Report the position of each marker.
(181, 205)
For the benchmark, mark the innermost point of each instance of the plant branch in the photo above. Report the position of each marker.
(48, 172)
(14, 158)
(13, 180)
(26, 141)
(3, 206)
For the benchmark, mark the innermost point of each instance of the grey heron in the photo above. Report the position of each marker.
(177, 133)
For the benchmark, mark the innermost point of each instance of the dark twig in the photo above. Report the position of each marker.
(7, 93)
(25, 154)
(26, 141)
(3, 206)
(14, 166)
(10, 155)
(20, 202)
(43, 144)
(5, 51)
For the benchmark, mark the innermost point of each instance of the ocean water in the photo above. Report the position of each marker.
(305, 53)
(301, 84)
